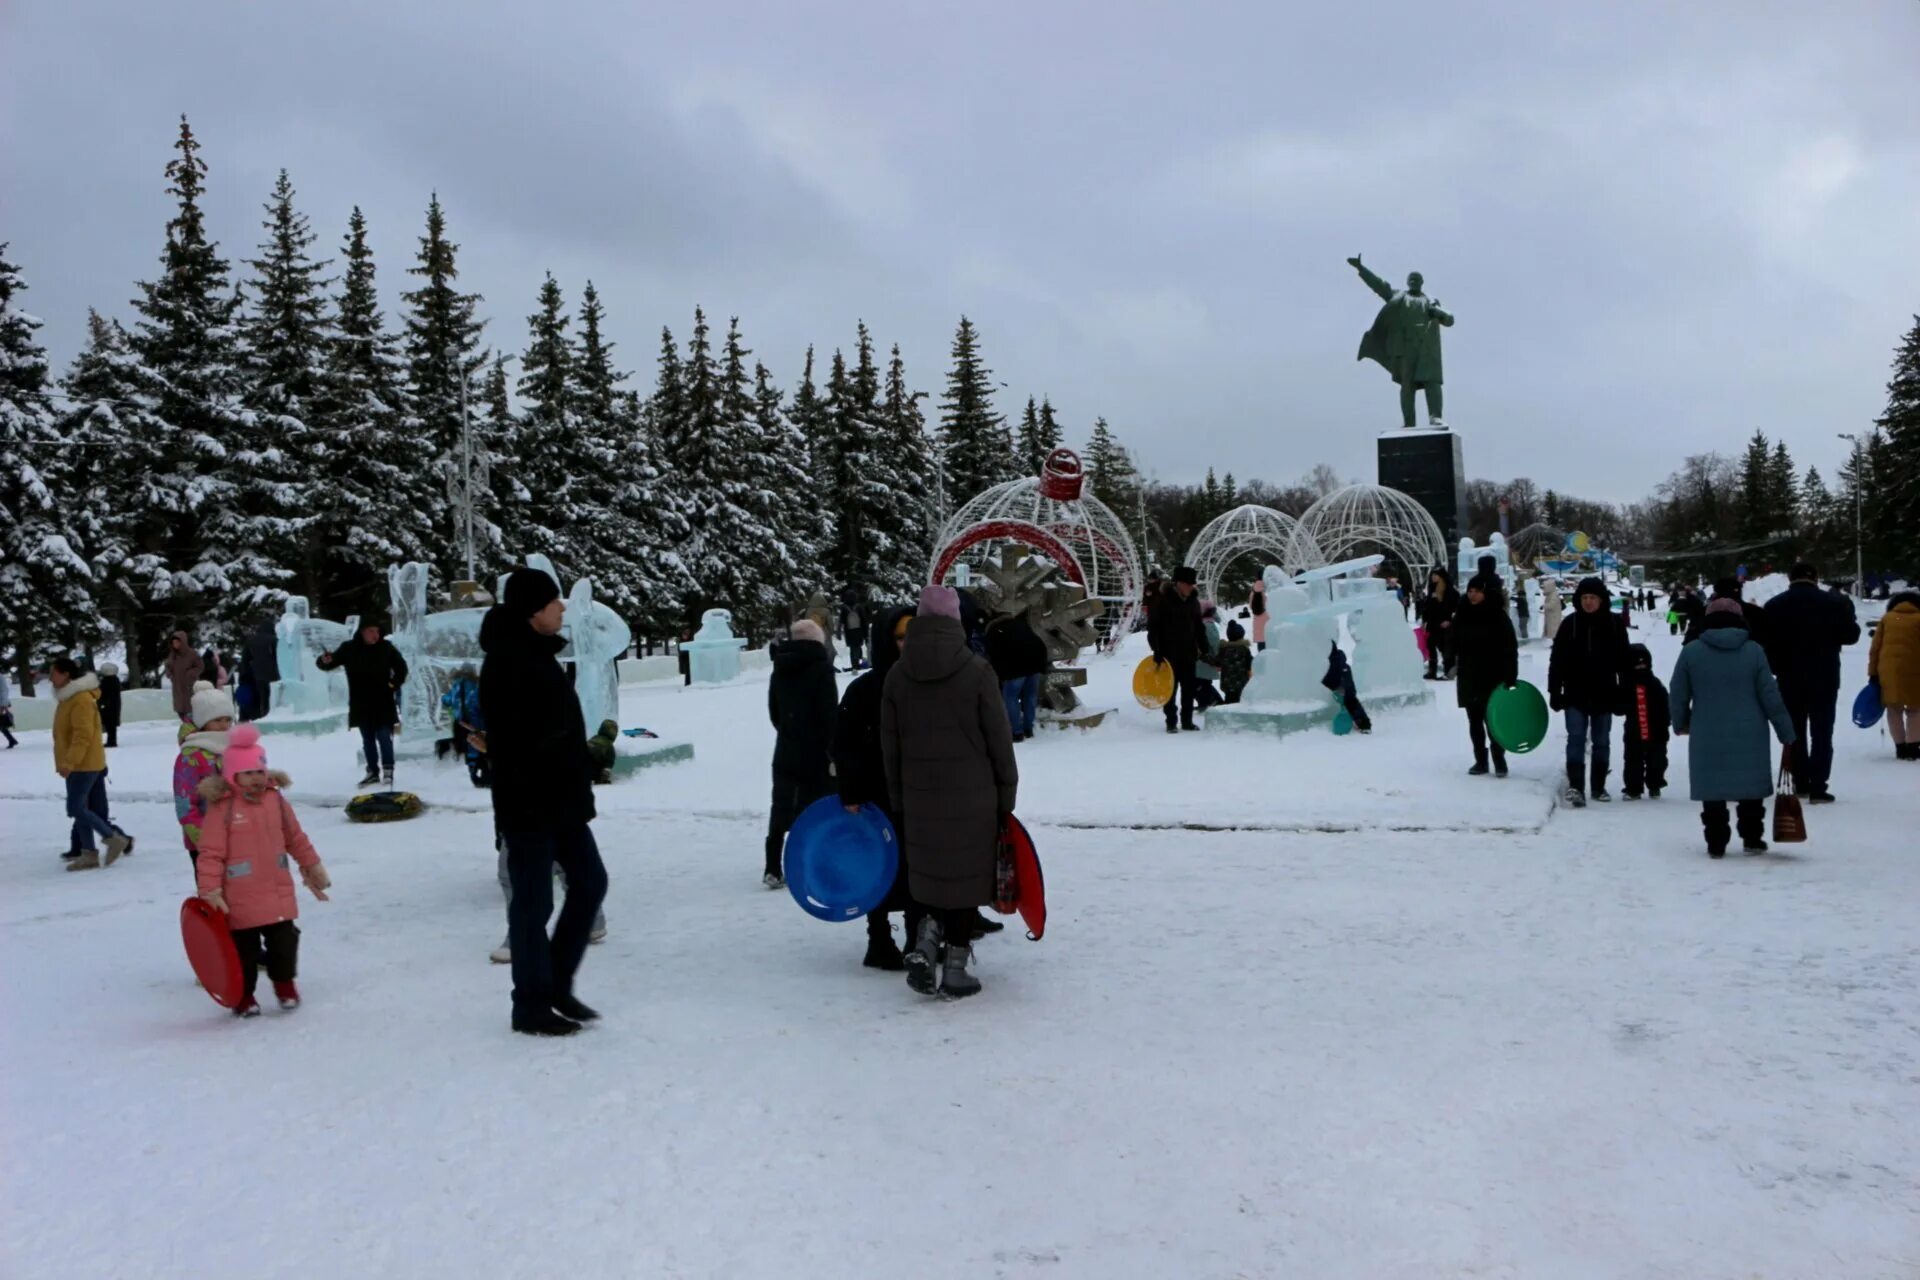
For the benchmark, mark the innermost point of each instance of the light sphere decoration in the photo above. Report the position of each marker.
(1537, 542)
(1369, 519)
(1053, 515)
(1250, 530)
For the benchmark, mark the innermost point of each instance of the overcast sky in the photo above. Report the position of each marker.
(1660, 226)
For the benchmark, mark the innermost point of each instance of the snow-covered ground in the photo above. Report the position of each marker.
(1307, 1007)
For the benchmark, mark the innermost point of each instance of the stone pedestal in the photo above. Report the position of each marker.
(1425, 465)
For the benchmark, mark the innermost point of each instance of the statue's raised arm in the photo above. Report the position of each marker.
(1373, 281)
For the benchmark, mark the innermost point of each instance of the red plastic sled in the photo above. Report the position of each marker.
(1029, 885)
(210, 950)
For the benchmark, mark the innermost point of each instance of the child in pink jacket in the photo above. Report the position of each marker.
(246, 840)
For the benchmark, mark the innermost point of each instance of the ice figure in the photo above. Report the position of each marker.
(300, 638)
(1298, 637)
(420, 696)
(1468, 563)
(1385, 656)
(596, 637)
(713, 655)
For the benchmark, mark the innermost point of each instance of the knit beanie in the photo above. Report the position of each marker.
(244, 752)
(939, 602)
(528, 592)
(210, 703)
(1235, 631)
(108, 669)
(1726, 604)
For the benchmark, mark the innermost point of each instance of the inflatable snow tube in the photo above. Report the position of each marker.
(384, 806)
(1517, 717)
(1867, 708)
(1152, 683)
(840, 865)
(1028, 889)
(210, 950)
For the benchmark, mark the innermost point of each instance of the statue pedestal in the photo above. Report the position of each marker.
(1425, 465)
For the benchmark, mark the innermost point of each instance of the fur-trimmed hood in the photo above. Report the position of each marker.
(214, 787)
(87, 683)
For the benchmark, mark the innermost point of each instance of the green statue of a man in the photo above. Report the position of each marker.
(1405, 339)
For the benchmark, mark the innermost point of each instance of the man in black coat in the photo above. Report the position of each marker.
(375, 671)
(1806, 629)
(1019, 660)
(542, 800)
(801, 699)
(1584, 675)
(1176, 635)
(259, 668)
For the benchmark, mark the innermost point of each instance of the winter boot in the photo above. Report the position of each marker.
(955, 982)
(547, 1023)
(1479, 769)
(883, 952)
(1599, 789)
(502, 954)
(1499, 765)
(247, 1008)
(984, 925)
(922, 961)
(773, 880)
(1753, 844)
(372, 777)
(117, 844)
(288, 995)
(386, 779)
(1575, 794)
(569, 1007)
(86, 860)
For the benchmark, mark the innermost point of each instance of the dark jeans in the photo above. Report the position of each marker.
(1439, 652)
(1482, 740)
(376, 742)
(282, 944)
(543, 969)
(790, 796)
(1022, 697)
(1752, 819)
(1184, 692)
(856, 645)
(1644, 765)
(1589, 730)
(1812, 712)
(87, 806)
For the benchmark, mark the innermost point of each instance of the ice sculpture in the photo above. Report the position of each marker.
(596, 638)
(1385, 657)
(713, 655)
(1295, 658)
(299, 639)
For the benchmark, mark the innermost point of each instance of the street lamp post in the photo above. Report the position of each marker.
(1859, 552)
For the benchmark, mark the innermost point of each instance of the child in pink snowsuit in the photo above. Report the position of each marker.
(246, 841)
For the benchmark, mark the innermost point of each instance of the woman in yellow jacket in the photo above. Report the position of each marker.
(1894, 661)
(80, 757)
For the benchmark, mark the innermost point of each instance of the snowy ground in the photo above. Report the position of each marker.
(1394, 1022)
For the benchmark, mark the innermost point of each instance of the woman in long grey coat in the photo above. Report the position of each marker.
(1724, 697)
(948, 752)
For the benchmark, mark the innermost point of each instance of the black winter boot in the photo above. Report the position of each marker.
(923, 961)
(882, 952)
(568, 1007)
(548, 1023)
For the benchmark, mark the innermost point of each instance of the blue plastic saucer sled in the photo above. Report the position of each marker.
(841, 865)
(1867, 708)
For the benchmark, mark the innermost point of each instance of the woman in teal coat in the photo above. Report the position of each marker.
(1724, 697)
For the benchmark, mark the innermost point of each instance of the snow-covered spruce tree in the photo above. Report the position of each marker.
(1039, 436)
(1896, 505)
(47, 603)
(975, 445)
(287, 333)
(792, 504)
(374, 504)
(740, 567)
(443, 334)
(551, 459)
(809, 414)
(877, 508)
(911, 459)
(209, 555)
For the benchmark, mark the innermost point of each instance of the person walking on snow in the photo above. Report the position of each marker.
(203, 742)
(1893, 662)
(80, 758)
(1019, 659)
(1436, 615)
(110, 703)
(1175, 636)
(6, 713)
(250, 834)
(375, 671)
(1724, 698)
(861, 775)
(1806, 629)
(1488, 658)
(183, 668)
(542, 800)
(948, 753)
(1647, 720)
(1584, 673)
(802, 697)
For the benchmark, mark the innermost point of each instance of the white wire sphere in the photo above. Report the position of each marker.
(1087, 526)
(1249, 530)
(1365, 519)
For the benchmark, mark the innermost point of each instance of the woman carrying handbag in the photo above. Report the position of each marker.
(1724, 698)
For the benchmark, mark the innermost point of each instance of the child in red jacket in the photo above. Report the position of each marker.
(1649, 722)
(246, 840)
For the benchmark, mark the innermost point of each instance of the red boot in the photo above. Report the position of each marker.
(288, 993)
(248, 1008)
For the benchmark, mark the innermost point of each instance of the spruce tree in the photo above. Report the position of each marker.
(199, 555)
(287, 336)
(1110, 472)
(809, 415)
(1783, 488)
(740, 566)
(376, 506)
(789, 502)
(975, 447)
(47, 602)
(1756, 501)
(912, 466)
(1896, 503)
(551, 463)
(1033, 453)
(443, 334)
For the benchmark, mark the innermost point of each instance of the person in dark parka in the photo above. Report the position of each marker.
(260, 667)
(948, 752)
(542, 800)
(375, 671)
(1724, 699)
(1236, 662)
(1176, 635)
(1019, 659)
(110, 702)
(1806, 629)
(1436, 615)
(1647, 719)
(801, 700)
(1584, 673)
(1487, 657)
(860, 771)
